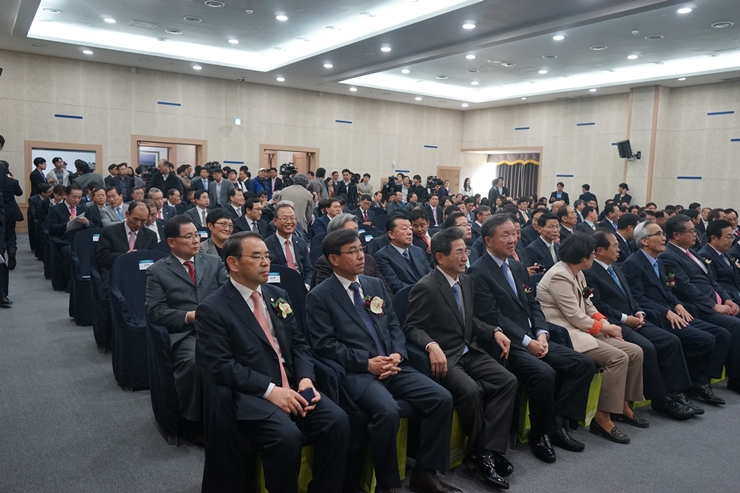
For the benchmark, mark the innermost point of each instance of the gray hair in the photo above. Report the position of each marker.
(301, 180)
(641, 232)
(339, 221)
(282, 205)
(154, 190)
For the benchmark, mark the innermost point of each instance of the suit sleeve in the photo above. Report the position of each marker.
(157, 309)
(306, 266)
(685, 290)
(385, 268)
(104, 253)
(601, 305)
(105, 218)
(561, 291)
(637, 287)
(214, 345)
(57, 224)
(324, 341)
(419, 315)
(372, 271)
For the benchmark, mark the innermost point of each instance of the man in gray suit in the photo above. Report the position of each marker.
(114, 212)
(175, 286)
(218, 189)
(301, 198)
(199, 213)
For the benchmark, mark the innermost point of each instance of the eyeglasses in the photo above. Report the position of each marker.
(352, 252)
(224, 224)
(257, 257)
(286, 219)
(659, 233)
(464, 225)
(459, 253)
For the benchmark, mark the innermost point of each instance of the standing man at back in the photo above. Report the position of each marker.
(301, 198)
(175, 286)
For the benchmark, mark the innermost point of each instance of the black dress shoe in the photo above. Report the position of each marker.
(681, 398)
(5, 302)
(733, 384)
(11, 261)
(430, 483)
(635, 420)
(614, 435)
(704, 393)
(483, 465)
(542, 448)
(503, 466)
(672, 408)
(562, 439)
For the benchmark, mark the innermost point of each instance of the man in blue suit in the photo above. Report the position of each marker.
(401, 263)
(544, 251)
(332, 208)
(287, 248)
(351, 322)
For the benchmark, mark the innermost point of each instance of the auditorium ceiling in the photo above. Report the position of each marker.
(457, 54)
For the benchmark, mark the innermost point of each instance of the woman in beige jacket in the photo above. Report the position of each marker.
(565, 300)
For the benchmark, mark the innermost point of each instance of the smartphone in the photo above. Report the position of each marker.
(541, 268)
(308, 394)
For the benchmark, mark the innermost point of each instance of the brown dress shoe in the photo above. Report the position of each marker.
(430, 484)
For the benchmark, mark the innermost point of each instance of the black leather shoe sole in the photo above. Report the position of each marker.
(615, 435)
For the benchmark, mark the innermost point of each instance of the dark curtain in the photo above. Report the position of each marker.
(519, 171)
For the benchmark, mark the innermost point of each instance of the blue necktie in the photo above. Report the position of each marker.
(509, 278)
(655, 268)
(456, 291)
(362, 311)
(411, 264)
(120, 213)
(616, 279)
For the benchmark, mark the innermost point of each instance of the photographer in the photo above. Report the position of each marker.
(353, 196)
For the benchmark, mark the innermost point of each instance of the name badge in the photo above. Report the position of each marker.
(96, 237)
(144, 264)
(368, 237)
(203, 234)
(361, 231)
(273, 278)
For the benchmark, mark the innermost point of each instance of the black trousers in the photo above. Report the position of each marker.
(663, 366)
(557, 384)
(485, 394)
(11, 239)
(430, 400)
(281, 438)
(732, 325)
(705, 348)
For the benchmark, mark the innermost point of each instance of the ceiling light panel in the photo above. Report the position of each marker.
(385, 16)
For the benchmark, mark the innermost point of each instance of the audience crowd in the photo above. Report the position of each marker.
(421, 299)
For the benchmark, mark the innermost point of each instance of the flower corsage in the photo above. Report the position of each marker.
(283, 307)
(374, 304)
(670, 280)
(587, 292)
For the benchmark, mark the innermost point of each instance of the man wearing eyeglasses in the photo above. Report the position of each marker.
(287, 248)
(175, 286)
(654, 284)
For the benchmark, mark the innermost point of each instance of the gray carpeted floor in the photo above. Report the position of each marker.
(65, 426)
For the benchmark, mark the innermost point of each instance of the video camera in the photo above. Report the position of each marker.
(390, 186)
(433, 181)
(287, 169)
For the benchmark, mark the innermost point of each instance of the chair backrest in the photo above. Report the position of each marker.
(380, 222)
(163, 247)
(316, 240)
(376, 244)
(292, 282)
(316, 252)
(401, 304)
(128, 279)
(82, 244)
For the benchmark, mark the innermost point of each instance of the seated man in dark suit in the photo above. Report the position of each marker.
(95, 207)
(120, 238)
(175, 286)
(34, 203)
(697, 288)
(166, 212)
(174, 200)
(558, 377)
(568, 221)
(420, 225)
(252, 219)
(435, 212)
(611, 215)
(332, 207)
(665, 375)
(235, 207)
(531, 231)
(287, 248)
(66, 220)
(365, 338)
(401, 263)
(153, 223)
(199, 213)
(363, 213)
(626, 234)
(440, 321)
(252, 343)
(544, 250)
(482, 213)
(559, 194)
(590, 218)
(720, 235)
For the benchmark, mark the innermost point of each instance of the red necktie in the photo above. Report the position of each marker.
(426, 239)
(289, 256)
(260, 316)
(364, 213)
(191, 270)
(72, 212)
(159, 214)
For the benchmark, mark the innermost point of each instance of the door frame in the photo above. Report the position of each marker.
(201, 148)
(538, 149)
(313, 163)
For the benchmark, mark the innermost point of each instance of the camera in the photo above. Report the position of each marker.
(390, 187)
(433, 181)
(286, 169)
(355, 178)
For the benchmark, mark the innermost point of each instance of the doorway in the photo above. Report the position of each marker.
(305, 159)
(451, 174)
(146, 151)
(520, 167)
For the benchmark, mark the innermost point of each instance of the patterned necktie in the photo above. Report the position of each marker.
(613, 275)
(131, 240)
(509, 278)
(254, 227)
(289, 256)
(552, 253)
(407, 256)
(259, 314)
(203, 220)
(191, 270)
(458, 299)
(369, 325)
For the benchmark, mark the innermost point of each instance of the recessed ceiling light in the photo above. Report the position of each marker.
(682, 78)
(656, 63)
(305, 40)
(280, 79)
(468, 25)
(367, 14)
(386, 94)
(405, 71)
(37, 45)
(507, 64)
(334, 28)
(234, 41)
(523, 99)
(633, 57)
(173, 31)
(442, 77)
(542, 72)
(472, 71)
(197, 67)
(278, 48)
(385, 49)
(470, 57)
(475, 83)
(465, 105)
(110, 20)
(369, 54)
(249, 11)
(215, 4)
(418, 98)
(353, 89)
(592, 90)
(281, 17)
(653, 37)
(684, 10)
(52, 11)
(549, 57)
(721, 25)
(598, 47)
(328, 65)
(713, 55)
(192, 18)
(87, 52)
(558, 37)
(145, 60)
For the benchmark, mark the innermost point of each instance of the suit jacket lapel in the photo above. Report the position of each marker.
(625, 285)
(402, 260)
(449, 296)
(342, 299)
(281, 332)
(199, 268)
(468, 297)
(240, 307)
(498, 274)
(175, 266)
